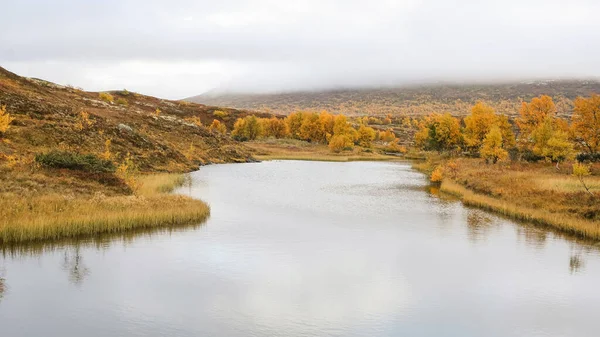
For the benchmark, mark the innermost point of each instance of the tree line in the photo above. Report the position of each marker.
(337, 131)
(536, 134)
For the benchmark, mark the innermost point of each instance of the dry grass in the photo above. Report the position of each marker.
(532, 192)
(53, 216)
(564, 222)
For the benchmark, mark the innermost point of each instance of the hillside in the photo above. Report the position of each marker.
(48, 117)
(415, 100)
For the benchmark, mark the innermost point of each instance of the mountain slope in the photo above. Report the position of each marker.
(413, 100)
(48, 117)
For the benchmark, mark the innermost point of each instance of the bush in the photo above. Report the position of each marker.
(122, 101)
(530, 156)
(108, 98)
(74, 161)
(588, 157)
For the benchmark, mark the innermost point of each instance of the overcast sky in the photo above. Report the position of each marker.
(180, 48)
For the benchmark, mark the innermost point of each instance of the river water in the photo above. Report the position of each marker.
(298, 248)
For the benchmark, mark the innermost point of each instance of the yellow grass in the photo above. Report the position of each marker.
(564, 222)
(569, 183)
(49, 217)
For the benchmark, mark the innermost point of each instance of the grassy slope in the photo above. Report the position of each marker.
(415, 100)
(37, 203)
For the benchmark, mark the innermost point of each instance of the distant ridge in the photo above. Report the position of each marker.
(410, 100)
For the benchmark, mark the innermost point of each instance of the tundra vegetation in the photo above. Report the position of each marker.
(66, 154)
(515, 177)
(74, 163)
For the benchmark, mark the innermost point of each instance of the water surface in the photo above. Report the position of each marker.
(310, 249)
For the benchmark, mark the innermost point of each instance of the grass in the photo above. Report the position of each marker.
(564, 222)
(291, 149)
(53, 216)
(533, 192)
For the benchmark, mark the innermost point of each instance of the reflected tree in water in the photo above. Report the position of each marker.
(2, 284)
(575, 263)
(2, 287)
(74, 265)
(479, 225)
(534, 236)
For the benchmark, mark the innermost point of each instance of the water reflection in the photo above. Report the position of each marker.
(479, 225)
(100, 242)
(2, 287)
(73, 264)
(575, 263)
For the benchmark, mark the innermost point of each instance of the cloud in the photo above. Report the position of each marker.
(274, 45)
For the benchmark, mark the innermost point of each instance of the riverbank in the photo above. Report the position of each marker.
(56, 216)
(533, 192)
(291, 149)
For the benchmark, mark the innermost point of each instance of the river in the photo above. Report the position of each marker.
(295, 248)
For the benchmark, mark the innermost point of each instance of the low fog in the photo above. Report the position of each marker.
(182, 48)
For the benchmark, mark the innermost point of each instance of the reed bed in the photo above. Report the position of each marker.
(50, 217)
(563, 222)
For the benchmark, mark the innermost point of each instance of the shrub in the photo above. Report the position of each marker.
(122, 101)
(5, 120)
(340, 143)
(588, 157)
(437, 175)
(74, 161)
(220, 113)
(108, 98)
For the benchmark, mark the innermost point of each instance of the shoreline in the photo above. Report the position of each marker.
(52, 217)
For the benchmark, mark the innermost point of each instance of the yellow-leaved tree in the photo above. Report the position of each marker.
(366, 135)
(275, 127)
(247, 128)
(479, 123)
(217, 126)
(492, 147)
(439, 132)
(531, 115)
(294, 123)
(586, 123)
(550, 141)
(5, 120)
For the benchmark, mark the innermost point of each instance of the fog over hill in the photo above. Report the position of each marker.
(413, 100)
(174, 51)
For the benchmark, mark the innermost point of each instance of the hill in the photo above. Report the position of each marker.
(49, 117)
(411, 100)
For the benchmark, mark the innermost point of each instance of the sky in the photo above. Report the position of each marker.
(180, 48)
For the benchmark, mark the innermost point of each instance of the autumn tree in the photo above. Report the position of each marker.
(439, 132)
(327, 122)
(5, 120)
(311, 130)
(532, 115)
(344, 135)
(275, 127)
(387, 136)
(338, 143)
(580, 171)
(217, 126)
(586, 123)
(294, 123)
(492, 147)
(551, 142)
(479, 123)
(366, 135)
(247, 128)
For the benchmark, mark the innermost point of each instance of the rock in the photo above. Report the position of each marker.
(124, 127)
